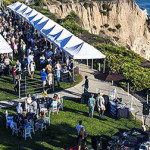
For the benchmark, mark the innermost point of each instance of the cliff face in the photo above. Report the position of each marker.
(121, 20)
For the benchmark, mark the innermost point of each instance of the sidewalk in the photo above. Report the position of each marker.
(95, 84)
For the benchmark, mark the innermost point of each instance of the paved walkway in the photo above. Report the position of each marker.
(105, 87)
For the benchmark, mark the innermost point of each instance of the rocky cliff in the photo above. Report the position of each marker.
(121, 20)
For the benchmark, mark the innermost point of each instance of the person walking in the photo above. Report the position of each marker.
(100, 105)
(91, 103)
(81, 139)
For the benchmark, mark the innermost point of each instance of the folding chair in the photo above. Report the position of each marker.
(53, 107)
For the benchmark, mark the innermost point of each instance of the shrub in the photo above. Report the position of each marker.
(110, 29)
(118, 26)
(106, 7)
(86, 5)
(106, 25)
(127, 63)
(102, 31)
(94, 27)
(113, 30)
(116, 38)
(71, 22)
(105, 13)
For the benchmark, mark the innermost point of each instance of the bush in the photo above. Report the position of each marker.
(113, 30)
(105, 13)
(118, 26)
(71, 22)
(110, 29)
(94, 27)
(127, 63)
(106, 6)
(102, 31)
(86, 5)
(116, 38)
(106, 25)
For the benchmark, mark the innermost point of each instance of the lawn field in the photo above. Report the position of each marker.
(62, 133)
(34, 86)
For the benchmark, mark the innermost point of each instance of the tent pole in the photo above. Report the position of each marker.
(99, 66)
(79, 66)
(92, 64)
(104, 65)
(73, 69)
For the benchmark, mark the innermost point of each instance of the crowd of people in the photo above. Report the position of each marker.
(34, 51)
(27, 113)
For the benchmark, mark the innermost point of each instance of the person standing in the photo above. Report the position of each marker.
(7, 63)
(28, 102)
(33, 106)
(18, 69)
(43, 77)
(86, 84)
(19, 108)
(100, 105)
(14, 74)
(58, 68)
(91, 103)
(32, 67)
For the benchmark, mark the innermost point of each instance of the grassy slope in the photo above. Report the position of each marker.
(62, 133)
(7, 86)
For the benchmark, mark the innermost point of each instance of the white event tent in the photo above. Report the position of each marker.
(58, 35)
(5, 47)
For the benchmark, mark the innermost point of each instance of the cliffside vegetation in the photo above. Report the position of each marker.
(119, 59)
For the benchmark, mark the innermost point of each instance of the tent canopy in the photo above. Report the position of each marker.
(78, 52)
(4, 46)
(55, 33)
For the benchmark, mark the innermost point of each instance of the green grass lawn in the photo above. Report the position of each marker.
(7, 86)
(62, 133)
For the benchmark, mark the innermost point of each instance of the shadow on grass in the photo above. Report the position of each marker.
(6, 78)
(8, 91)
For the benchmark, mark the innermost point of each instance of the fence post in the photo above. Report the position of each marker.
(128, 88)
(73, 70)
(19, 88)
(53, 82)
(25, 90)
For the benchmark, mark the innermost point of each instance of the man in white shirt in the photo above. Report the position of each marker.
(79, 126)
(19, 108)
